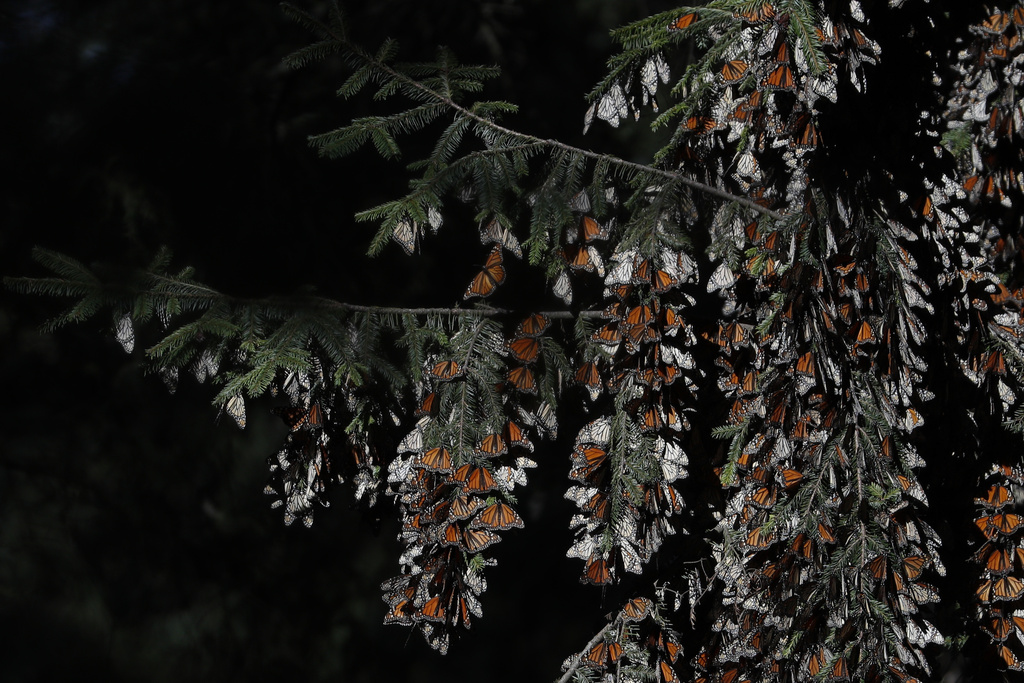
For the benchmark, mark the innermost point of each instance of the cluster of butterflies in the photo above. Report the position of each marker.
(301, 470)
(825, 344)
(637, 642)
(455, 495)
(625, 464)
(1000, 590)
(985, 102)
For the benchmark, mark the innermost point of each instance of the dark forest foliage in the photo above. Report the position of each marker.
(786, 348)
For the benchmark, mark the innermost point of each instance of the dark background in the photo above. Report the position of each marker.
(135, 542)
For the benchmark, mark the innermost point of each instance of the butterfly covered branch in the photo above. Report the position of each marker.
(769, 343)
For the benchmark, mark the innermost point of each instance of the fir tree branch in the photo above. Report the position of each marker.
(530, 140)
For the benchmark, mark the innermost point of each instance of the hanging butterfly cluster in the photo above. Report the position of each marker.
(453, 478)
(822, 353)
(625, 463)
(301, 469)
(637, 642)
(796, 317)
(986, 103)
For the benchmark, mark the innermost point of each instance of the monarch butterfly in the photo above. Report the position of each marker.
(496, 233)
(736, 332)
(781, 78)
(612, 106)
(996, 23)
(1001, 627)
(817, 662)
(682, 22)
(597, 432)
(591, 230)
(429, 405)
(700, 124)
(652, 420)
(464, 506)
(515, 436)
(433, 610)
(734, 70)
(522, 379)
(640, 334)
(759, 538)
(1007, 588)
(492, 446)
(667, 674)
(1005, 523)
(544, 419)
(533, 326)
(802, 429)
(583, 257)
(591, 457)
(488, 279)
(497, 516)
(913, 566)
(997, 497)
(580, 202)
(406, 233)
(640, 315)
(464, 606)
(598, 506)
(877, 567)
(563, 287)
(125, 334)
(807, 133)
(451, 534)
(597, 571)
(436, 460)
(758, 15)
(525, 349)
(781, 51)
(999, 560)
(636, 609)
(670, 321)
(1014, 622)
(235, 407)
(297, 416)
(994, 362)
(474, 479)
(475, 540)
(721, 278)
(825, 533)
(865, 333)
(446, 370)
(791, 479)
(899, 673)
(589, 377)
(802, 545)
(764, 497)
(1010, 659)
(744, 111)
(662, 281)
(400, 613)
(609, 335)
(603, 652)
